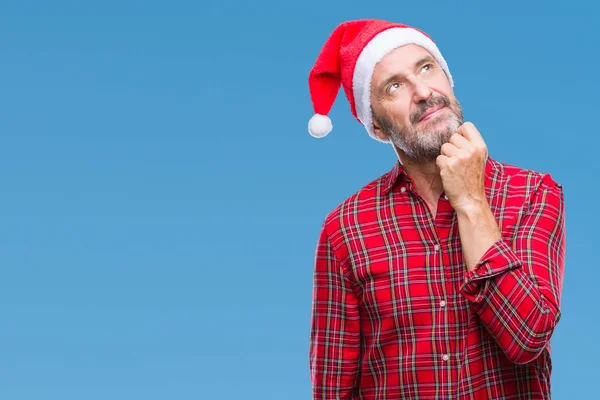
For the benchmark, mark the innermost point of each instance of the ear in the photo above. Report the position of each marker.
(377, 130)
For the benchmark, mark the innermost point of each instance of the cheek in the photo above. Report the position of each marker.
(442, 86)
(399, 111)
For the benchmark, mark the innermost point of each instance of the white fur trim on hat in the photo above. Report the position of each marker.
(383, 43)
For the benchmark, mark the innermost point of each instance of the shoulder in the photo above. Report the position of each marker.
(518, 177)
(356, 206)
(510, 185)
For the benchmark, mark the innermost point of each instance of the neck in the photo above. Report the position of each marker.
(425, 174)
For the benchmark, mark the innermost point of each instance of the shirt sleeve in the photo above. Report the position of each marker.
(334, 349)
(516, 289)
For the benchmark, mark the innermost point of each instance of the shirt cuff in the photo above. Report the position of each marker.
(498, 259)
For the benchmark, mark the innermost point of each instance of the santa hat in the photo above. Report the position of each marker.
(348, 58)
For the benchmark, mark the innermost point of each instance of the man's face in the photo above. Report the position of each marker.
(413, 104)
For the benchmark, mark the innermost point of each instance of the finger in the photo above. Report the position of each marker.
(460, 141)
(469, 131)
(448, 149)
(441, 161)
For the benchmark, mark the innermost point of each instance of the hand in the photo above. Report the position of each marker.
(462, 168)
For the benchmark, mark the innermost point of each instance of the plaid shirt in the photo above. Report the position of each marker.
(396, 314)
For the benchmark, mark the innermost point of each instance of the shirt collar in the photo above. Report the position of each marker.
(398, 174)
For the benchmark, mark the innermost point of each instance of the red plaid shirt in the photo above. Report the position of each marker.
(396, 314)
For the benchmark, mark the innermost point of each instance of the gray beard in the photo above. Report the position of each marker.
(423, 145)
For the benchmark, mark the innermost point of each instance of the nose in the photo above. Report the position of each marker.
(422, 91)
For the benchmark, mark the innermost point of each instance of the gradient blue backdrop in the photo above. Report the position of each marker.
(161, 197)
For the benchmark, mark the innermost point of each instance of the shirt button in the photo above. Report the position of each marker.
(443, 303)
(403, 189)
(436, 247)
(445, 357)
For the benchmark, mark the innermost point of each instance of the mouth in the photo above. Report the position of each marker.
(431, 113)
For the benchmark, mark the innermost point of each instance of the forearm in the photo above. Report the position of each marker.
(510, 304)
(334, 348)
(514, 288)
(512, 307)
(478, 232)
(334, 363)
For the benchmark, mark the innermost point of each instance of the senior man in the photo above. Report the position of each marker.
(442, 278)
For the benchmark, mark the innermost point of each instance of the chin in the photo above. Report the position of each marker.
(444, 126)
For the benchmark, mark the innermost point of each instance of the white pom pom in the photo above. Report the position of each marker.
(319, 126)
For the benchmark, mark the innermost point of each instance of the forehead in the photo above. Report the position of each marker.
(398, 61)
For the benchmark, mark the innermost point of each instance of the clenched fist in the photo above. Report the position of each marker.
(462, 168)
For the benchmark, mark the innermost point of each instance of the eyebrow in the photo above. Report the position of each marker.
(395, 77)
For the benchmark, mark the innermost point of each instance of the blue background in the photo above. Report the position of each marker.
(162, 199)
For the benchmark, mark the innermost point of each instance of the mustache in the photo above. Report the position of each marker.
(428, 105)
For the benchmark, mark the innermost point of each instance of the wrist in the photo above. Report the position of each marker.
(473, 209)
(478, 231)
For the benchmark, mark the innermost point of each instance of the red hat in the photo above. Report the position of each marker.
(348, 58)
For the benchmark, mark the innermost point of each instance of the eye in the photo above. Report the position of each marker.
(427, 67)
(394, 86)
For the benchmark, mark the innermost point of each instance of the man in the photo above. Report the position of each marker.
(442, 278)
